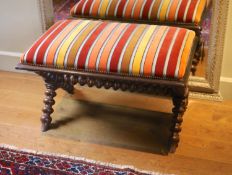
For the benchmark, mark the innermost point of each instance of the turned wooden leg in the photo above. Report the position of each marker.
(49, 102)
(196, 61)
(180, 106)
(194, 66)
(199, 55)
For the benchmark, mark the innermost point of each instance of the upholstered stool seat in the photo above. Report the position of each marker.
(169, 11)
(114, 48)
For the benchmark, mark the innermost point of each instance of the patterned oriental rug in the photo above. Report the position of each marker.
(14, 161)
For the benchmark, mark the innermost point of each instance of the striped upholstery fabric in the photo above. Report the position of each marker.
(110, 47)
(187, 11)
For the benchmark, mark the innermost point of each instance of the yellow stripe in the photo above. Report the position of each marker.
(164, 10)
(64, 48)
(103, 8)
(141, 50)
(200, 11)
(186, 53)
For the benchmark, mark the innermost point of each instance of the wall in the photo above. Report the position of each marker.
(226, 75)
(20, 26)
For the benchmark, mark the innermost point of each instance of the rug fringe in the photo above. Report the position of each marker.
(82, 159)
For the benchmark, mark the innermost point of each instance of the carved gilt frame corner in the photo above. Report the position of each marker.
(202, 87)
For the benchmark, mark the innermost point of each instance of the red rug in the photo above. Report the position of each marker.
(18, 162)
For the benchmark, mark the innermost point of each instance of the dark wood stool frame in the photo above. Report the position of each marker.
(66, 79)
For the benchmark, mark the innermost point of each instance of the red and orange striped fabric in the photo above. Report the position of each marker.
(187, 11)
(111, 47)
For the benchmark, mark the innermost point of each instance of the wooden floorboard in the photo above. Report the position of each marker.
(106, 126)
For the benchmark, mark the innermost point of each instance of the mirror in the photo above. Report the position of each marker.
(205, 84)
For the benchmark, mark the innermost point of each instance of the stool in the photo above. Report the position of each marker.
(141, 58)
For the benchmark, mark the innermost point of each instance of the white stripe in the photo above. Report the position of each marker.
(73, 42)
(133, 9)
(124, 49)
(147, 49)
(93, 45)
(186, 11)
(108, 7)
(91, 8)
(116, 8)
(115, 45)
(38, 48)
(62, 43)
(83, 43)
(160, 7)
(83, 8)
(104, 45)
(25, 56)
(169, 52)
(195, 11)
(142, 9)
(177, 10)
(50, 45)
(158, 51)
(99, 8)
(75, 8)
(180, 55)
(125, 7)
(169, 8)
(150, 10)
(135, 50)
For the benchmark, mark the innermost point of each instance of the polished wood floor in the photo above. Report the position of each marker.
(91, 124)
